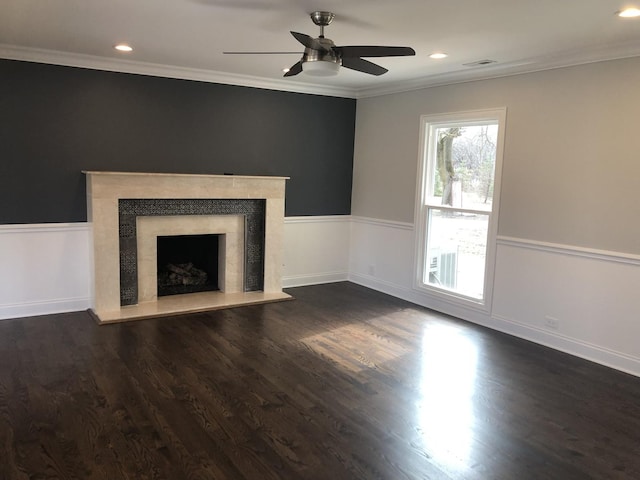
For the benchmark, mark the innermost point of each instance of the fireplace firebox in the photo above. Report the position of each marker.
(187, 264)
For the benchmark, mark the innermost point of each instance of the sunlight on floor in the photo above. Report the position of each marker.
(445, 409)
(366, 349)
(444, 382)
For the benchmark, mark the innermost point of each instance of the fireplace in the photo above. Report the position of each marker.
(187, 264)
(132, 215)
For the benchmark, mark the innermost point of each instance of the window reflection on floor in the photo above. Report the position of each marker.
(445, 409)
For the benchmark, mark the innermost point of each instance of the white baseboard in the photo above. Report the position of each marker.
(314, 279)
(46, 307)
(610, 358)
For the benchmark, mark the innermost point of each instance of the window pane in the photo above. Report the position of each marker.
(463, 170)
(456, 250)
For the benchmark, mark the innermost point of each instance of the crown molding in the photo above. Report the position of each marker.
(12, 52)
(498, 70)
(531, 65)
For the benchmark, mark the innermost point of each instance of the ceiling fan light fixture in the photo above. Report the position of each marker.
(320, 68)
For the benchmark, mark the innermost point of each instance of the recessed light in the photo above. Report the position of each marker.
(438, 55)
(123, 47)
(286, 70)
(629, 13)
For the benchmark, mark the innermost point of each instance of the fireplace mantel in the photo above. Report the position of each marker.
(105, 190)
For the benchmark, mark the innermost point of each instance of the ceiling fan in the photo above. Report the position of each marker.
(322, 57)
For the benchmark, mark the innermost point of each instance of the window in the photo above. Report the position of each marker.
(458, 188)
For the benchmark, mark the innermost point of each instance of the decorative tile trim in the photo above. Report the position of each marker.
(254, 211)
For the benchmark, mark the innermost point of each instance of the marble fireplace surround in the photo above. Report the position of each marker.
(105, 190)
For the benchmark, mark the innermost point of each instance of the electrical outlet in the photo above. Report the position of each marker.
(372, 270)
(551, 322)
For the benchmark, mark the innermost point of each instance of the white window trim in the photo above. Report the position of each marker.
(457, 118)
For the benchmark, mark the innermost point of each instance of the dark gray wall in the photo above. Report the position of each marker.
(56, 121)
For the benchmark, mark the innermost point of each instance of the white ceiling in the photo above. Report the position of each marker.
(186, 38)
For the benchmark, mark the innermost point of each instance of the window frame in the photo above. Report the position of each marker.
(428, 125)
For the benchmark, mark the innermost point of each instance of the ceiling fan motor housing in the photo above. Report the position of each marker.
(321, 63)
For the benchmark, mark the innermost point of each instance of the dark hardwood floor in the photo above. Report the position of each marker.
(342, 383)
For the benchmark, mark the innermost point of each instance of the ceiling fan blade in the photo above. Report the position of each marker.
(362, 65)
(294, 70)
(373, 51)
(262, 53)
(310, 42)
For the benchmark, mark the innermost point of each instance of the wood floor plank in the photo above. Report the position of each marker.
(342, 383)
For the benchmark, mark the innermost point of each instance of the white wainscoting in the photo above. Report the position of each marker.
(382, 258)
(44, 269)
(592, 294)
(316, 250)
(381, 255)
